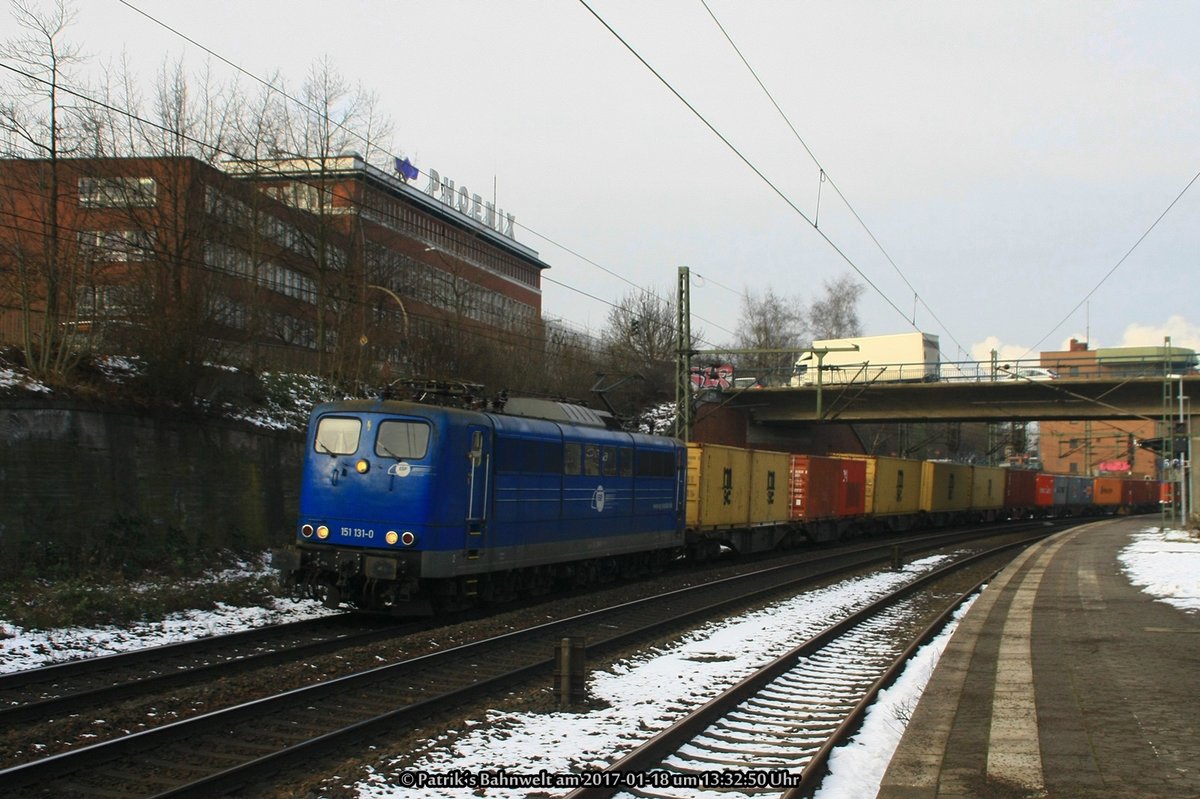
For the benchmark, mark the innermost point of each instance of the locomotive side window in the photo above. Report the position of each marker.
(609, 460)
(529, 457)
(591, 460)
(625, 458)
(551, 460)
(337, 435)
(572, 459)
(655, 464)
(397, 439)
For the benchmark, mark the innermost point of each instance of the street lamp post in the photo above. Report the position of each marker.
(1186, 494)
(1181, 458)
(1185, 459)
(400, 302)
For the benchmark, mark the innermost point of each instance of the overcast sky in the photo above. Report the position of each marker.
(1006, 156)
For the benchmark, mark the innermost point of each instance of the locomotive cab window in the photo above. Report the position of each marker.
(337, 435)
(402, 439)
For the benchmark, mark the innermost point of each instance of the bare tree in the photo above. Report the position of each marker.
(641, 339)
(259, 130)
(192, 117)
(174, 295)
(572, 360)
(835, 315)
(116, 133)
(38, 266)
(376, 130)
(319, 131)
(770, 322)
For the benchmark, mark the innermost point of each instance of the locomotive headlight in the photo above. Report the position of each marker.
(362, 466)
(392, 537)
(322, 532)
(407, 538)
(306, 531)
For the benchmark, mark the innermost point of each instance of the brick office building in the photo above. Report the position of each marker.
(331, 265)
(439, 267)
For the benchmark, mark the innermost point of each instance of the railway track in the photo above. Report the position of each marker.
(771, 733)
(74, 685)
(230, 748)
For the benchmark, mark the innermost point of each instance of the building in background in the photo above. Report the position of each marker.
(1098, 447)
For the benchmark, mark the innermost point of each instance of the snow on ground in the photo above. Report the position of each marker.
(1166, 565)
(27, 649)
(18, 378)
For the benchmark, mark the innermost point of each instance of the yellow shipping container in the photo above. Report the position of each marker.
(945, 487)
(769, 487)
(718, 487)
(987, 488)
(893, 484)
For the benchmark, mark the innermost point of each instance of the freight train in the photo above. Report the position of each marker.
(406, 507)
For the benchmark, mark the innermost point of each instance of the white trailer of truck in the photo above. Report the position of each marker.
(900, 357)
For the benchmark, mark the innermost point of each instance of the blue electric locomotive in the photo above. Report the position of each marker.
(411, 507)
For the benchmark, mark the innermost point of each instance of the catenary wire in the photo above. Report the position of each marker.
(1117, 265)
(745, 160)
(826, 176)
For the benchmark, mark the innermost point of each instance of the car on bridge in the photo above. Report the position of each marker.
(1030, 373)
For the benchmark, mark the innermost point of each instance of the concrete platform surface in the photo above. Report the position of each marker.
(1062, 681)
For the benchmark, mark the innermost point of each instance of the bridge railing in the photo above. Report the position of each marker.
(1030, 370)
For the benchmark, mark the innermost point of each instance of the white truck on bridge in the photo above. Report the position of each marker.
(901, 357)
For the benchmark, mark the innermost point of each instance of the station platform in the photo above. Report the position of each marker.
(1062, 681)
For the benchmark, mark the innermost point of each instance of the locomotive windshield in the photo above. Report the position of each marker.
(398, 440)
(337, 435)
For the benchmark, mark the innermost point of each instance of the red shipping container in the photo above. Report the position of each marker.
(1020, 488)
(827, 488)
(1044, 496)
(852, 498)
(1140, 492)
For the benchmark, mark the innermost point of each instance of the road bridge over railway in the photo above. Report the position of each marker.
(969, 401)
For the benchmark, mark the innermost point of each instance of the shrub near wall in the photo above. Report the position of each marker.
(89, 490)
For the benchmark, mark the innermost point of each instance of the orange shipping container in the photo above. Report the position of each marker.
(1106, 491)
